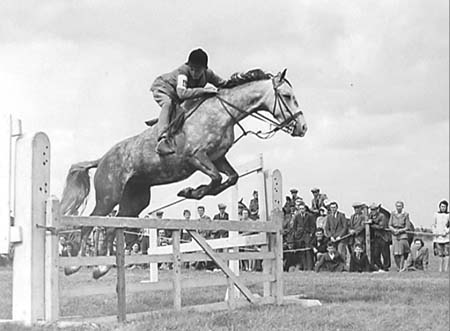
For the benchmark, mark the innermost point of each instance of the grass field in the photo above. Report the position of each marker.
(377, 301)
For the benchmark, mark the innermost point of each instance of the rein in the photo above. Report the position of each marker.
(279, 101)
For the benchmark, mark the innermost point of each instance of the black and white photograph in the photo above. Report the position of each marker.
(224, 165)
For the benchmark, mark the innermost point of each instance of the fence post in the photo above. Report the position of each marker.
(152, 244)
(53, 215)
(33, 186)
(368, 249)
(176, 269)
(120, 263)
(267, 263)
(277, 216)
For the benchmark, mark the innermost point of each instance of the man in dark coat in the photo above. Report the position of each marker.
(336, 228)
(356, 226)
(359, 262)
(222, 215)
(317, 201)
(380, 238)
(331, 261)
(254, 206)
(319, 244)
(304, 230)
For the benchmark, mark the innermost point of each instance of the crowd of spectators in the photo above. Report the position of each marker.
(320, 237)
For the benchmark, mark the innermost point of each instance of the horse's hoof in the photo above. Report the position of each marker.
(71, 270)
(186, 193)
(100, 271)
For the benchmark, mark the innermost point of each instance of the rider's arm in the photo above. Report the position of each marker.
(214, 79)
(184, 92)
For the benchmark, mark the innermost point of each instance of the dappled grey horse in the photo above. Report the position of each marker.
(129, 169)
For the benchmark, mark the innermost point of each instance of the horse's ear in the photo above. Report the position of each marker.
(283, 74)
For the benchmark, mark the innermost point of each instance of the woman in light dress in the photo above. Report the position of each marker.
(441, 231)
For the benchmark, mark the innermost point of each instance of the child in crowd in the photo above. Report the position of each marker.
(359, 262)
(319, 244)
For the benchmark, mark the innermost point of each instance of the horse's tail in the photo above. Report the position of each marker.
(77, 187)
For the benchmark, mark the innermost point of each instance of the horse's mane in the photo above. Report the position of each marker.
(240, 78)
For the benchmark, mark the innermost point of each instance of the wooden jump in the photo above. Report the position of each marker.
(37, 264)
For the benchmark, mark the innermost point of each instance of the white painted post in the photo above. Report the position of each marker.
(266, 187)
(53, 215)
(5, 174)
(277, 238)
(232, 291)
(152, 244)
(32, 186)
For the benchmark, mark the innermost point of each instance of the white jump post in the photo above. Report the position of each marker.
(5, 177)
(33, 185)
(232, 291)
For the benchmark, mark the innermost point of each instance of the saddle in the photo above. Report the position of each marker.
(179, 114)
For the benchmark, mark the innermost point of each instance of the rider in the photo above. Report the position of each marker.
(185, 82)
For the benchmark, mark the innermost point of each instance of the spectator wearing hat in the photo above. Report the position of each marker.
(331, 261)
(356, 226)
(222, 215)
(254, 206)
(359, 262)
(380, 238)
(399, 223)
(321, 220)
(418, 257)
(318, 200)
(294, 197)
(441, 228)
(304, 228)
(336, 228)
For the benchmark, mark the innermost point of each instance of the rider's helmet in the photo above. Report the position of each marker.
(198, 57)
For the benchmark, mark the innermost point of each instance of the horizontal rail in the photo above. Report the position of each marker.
(239, 241)
(160, 258)
(170, 224)
(165, 285)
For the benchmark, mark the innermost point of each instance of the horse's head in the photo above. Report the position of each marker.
(285, 107)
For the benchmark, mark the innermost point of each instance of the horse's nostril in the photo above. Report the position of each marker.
(304, 127)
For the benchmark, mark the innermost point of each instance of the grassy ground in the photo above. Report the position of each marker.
(388, 301)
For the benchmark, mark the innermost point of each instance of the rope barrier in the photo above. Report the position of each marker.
(183, 199)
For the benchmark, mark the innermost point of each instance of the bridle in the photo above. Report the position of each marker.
(286, 125)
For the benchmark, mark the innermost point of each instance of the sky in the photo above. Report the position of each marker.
(372, 78)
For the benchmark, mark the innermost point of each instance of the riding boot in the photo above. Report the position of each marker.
(164, 146)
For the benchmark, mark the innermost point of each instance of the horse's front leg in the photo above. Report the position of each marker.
(202, 162)
(225, 167)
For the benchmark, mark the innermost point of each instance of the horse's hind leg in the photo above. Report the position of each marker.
(101, 209)
(135, 198)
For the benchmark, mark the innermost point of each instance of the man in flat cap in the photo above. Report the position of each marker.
(222, 215)
(380, 238)
(356, 226)
(254, 206)
(295, 198)
(317, 201)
